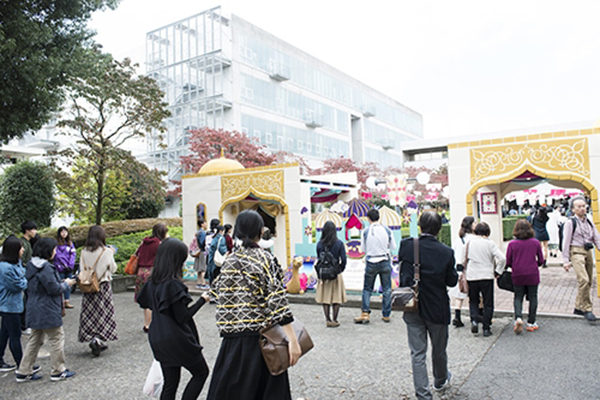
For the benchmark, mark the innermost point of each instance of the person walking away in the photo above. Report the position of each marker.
(200, 259)
(539, 221)
(378, 243)
(579, 238)
(433, 317)
(552, 228)
(173, 335)
(484, 261)
(217, 244)
(228, 238)
(331, 293)
(12, 285)
(64, 261)
(97, 322)
(146, 254)
(44, 314)
(465, 233)
(250, 296)
(524, 256)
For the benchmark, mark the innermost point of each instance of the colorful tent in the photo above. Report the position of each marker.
(357, 207)
(325, 216)
(390, 218)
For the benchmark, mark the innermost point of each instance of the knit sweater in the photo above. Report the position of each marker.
(524, 257)
(250, 293)
(106, 265)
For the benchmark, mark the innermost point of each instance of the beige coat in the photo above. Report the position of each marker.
(106, 265)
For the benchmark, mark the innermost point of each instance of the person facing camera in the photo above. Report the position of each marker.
(437, 273)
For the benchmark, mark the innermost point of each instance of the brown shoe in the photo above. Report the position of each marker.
(385, 319)
(363, 319)
(332, 324)
(68, 305)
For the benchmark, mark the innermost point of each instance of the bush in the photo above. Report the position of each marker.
(26, 194)
(445, 235)
(508, 225)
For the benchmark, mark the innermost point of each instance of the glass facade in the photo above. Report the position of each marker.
(385, 137)
(384, 158)
(259, 54)
(305, 142)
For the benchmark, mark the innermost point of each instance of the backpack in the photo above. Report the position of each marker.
(561, 228)
(327, 266)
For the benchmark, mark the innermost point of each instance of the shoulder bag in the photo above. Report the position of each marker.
(407, 298)
(274, 346)
(463, 284)
(88, 280)
(219, 258)
(505, 280)
(132, 265)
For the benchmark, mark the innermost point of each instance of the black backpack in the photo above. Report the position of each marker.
(561, 228)
(327, 266)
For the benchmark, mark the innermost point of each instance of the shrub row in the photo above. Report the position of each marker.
(508, 225)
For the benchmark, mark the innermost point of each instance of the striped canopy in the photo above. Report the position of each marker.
(325, 216)
(357, 207)
(389, 218)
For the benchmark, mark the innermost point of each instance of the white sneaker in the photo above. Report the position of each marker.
(518, 326)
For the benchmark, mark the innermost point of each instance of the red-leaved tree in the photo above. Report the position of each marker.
(342, 164)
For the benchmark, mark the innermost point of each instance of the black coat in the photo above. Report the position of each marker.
(44, 298)
(338, 251)
(437, 273)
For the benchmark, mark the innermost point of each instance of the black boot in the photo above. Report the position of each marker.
(457, 321)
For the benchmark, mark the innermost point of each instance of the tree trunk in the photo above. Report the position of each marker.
(100, 198)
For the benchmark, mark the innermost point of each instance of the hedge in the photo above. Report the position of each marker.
(508, 225)
(114, 228)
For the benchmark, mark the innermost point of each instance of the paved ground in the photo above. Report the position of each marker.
(350, 362)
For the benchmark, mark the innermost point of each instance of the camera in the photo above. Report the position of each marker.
(588, 246)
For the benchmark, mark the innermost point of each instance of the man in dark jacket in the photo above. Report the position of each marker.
(433, 317)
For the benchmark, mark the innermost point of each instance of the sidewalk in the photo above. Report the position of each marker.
(556, 295)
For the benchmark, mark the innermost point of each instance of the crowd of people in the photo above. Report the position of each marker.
(245, 281)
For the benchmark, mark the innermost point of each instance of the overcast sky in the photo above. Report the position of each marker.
(467, 66)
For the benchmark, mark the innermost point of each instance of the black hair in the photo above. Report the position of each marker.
(248, 227)
(168, 264)
(11, 249)
(373, 215)
(267, 235)
(466, 226)
(160, 231)
(34, 240)
(329, 234)
(227, 228)
(59, 238)
(430, 222)
(219, 228)
(27, 226)
(214, 223)
(542, 215)
(200, 221)
(96, 238)
(482, 229)
(44, 248)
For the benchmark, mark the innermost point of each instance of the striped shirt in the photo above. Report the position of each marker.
(250, 293)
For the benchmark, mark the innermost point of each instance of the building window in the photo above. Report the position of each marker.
(245, 131)
(299, 145)
(290, 144)
(317, 149)
(309, 147)
(256, 133)
(268, 138)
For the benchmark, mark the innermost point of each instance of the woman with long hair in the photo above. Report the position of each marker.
(64, 261)
(12, 285)
(97, 322)
(538, 222)
(331, 293)
(172, 334)
(250, 297)
(524, 256)
(146, 254)
(465, 233)
(44, 313)
(485, 262)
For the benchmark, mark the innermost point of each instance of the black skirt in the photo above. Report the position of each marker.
(240, 373)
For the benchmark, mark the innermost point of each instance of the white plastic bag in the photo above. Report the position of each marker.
(154, 380)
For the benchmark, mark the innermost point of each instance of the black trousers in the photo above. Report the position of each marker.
(172, 375)
(485, 288)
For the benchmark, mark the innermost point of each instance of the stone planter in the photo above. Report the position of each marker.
(120, 283)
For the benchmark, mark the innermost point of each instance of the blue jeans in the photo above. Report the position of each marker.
(65, 275)
(10, 333)
(384, 270)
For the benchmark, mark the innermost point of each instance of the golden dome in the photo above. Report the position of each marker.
(221, 165)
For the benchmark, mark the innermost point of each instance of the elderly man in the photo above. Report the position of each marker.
(579, 238)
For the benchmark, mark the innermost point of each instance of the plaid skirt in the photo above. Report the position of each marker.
(97, 318)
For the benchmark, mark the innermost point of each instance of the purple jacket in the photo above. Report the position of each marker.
(65, 257)
(525, 257)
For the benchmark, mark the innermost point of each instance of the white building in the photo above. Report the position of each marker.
(223, 72)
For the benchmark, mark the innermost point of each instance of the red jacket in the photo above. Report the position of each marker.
(147, 251)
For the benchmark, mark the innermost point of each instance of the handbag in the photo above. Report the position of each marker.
(88, 280)
(154, 381)
(463, 284)
(406, 298)
(132, 265)
(274, 346)
(505, 280)
(219, 258)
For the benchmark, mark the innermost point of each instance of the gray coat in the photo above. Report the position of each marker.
(45, 289)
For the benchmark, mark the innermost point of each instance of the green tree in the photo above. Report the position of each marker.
(107, 106)
(42, 43)
(26, 193)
